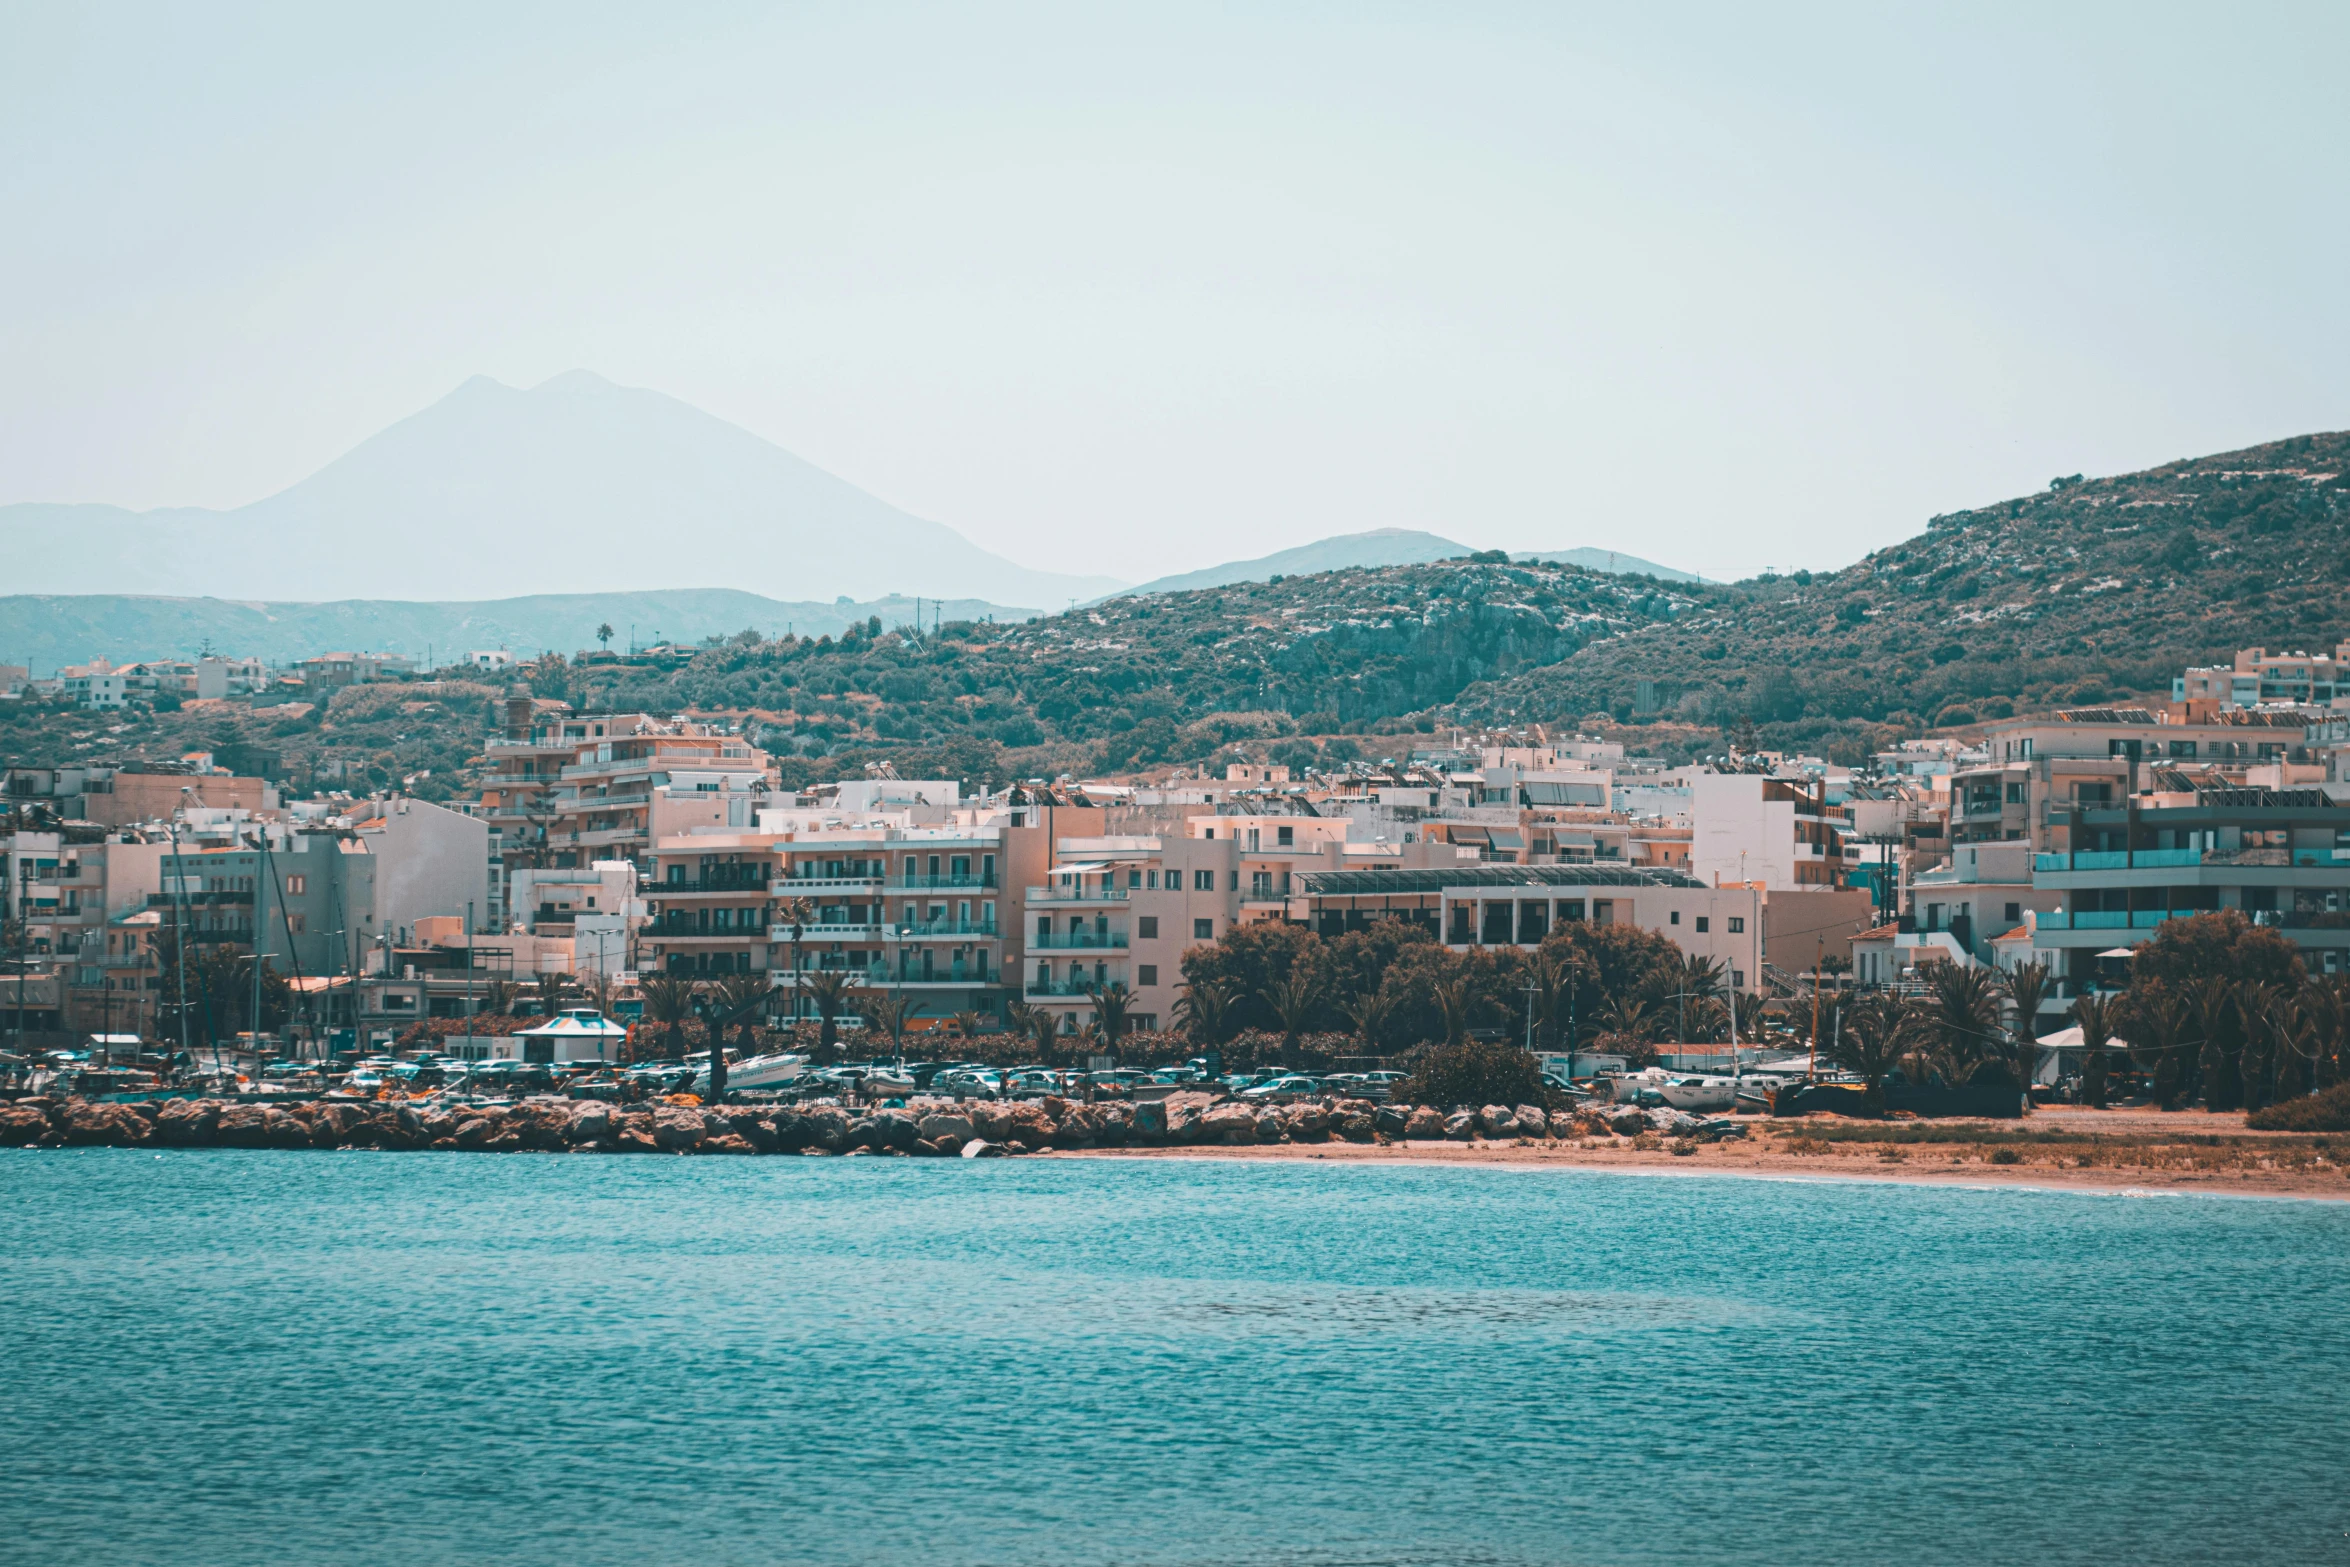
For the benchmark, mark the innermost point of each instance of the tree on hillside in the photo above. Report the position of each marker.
(604, 634)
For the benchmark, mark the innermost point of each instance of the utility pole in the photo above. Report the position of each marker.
(179, 930)
(260, 926)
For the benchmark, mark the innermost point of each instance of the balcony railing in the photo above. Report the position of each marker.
(1065, 893)
(1083, 940)
(941, 883)
(1062, 987)
(743, 883)
(984, 929)
(2175, 859)
(664, 925)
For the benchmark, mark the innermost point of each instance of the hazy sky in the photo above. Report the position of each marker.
(1139, 290)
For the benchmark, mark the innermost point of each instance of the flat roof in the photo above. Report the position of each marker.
(1372, 883)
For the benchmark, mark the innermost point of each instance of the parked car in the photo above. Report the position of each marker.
(1294, 1086)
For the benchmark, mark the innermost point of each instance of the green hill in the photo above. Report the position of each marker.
(2093, 589)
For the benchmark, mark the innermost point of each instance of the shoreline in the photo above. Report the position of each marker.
(1781, 1151)
(1789, 1171)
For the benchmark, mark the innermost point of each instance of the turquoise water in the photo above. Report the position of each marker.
(233, 1357)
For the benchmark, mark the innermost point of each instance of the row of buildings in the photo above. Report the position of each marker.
(605, 846)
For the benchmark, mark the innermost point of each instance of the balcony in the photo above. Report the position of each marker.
(1073, 894)
(678, 928)
(942, 884)
(1081, 990)
(984, 930)
(836, 874)
(680, 889)
(1079, 941)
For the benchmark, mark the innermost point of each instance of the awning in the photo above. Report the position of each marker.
(1088, 868)
(2118, 952)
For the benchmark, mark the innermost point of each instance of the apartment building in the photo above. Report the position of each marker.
(2042, 773)
(2280, 856)
(1471, 906)
(1121, 910)
(1777, 832)
(2260, 676)
(1985, 891)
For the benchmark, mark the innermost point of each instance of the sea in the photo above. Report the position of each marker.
(243, 1357)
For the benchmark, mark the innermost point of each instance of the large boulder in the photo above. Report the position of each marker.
(1461, 1125)
(1229, 1123)
(591, 1119)
(1079, 1126)
(1185, 1110)
(1533, 1121)
(243, 1126)
(1425, 1123)
(103, 1125)
(945, 1123)
(1268, 1124)
(1498, 1121)
(1627, 1120)
(1672, 1122)
(471, 1134)
(1564, 1123)
(1306, 1123)
(828, 1128)
(895, 1129)
(1117, 1124)
(1356, 1128)
(1150, 1121)
(729, 1142)
(678, 1129)
(183, 1123)
(1392, 1120)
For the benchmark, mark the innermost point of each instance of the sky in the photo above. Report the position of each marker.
(1136, 290)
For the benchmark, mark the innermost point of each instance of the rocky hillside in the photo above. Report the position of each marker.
(1169, 677)
(2094, 589)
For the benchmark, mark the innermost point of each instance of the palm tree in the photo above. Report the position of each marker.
(1110, 1004)
(604, 633)
(2218, 1013)
(798, 914)
(499, 997)
(2026, 985)
(1043, 1028)
(1552, 979)
(1628, 1017)
(734, 992)
(1965, 1000)
(669, 1001)
(1293, 1000)
(550, 997)
(965, 1025)
(2157, 1043)
(1456, 1000)
(1369, 1012)
(1875, 1037)
(1202, 1011)
(2095, 1015)
(830, 991)
(889, 1014)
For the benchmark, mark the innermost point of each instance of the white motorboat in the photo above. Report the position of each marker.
(1700, 1093)
(754, 1072)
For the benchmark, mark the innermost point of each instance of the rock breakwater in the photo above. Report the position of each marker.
(924, 1128)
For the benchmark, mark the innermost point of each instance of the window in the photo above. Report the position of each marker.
(1146, 974)
(1133, 879)
(1737, 925)
(2183, 748)
(1210, 833)
(2015, 794)
(1147, 926)
(1674, 918)
(1285, 837)
(297, 885)
(1702, 924)
(1203, 930)
(1203, 881)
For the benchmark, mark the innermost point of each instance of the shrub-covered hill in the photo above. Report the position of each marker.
(2093, 589)
(1163, 677)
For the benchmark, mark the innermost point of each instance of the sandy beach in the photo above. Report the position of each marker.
(2112, 1151)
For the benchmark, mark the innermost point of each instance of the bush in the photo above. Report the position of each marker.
(2326, 1112)
(1479, 1072)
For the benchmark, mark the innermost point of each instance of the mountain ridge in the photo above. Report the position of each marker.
(561, 486)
